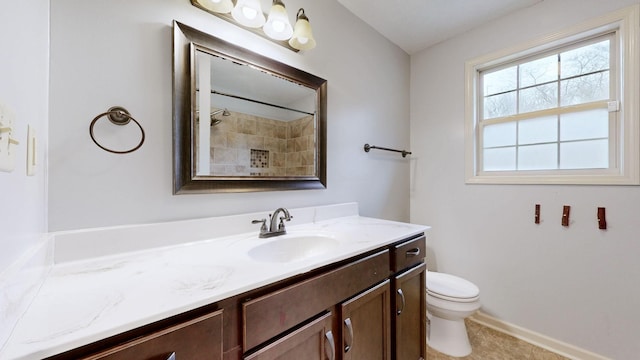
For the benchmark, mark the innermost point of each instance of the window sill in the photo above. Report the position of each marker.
(608, 179)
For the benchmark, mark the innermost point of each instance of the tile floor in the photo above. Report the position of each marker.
(489, 344)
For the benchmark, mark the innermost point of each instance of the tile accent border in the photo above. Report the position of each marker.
(537, 339)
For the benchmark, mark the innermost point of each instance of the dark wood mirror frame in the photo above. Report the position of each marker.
(185, 181)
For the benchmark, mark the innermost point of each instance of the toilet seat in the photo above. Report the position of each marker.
(451, 288)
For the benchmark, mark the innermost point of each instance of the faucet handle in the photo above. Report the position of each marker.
(282, 219)
(263, 228)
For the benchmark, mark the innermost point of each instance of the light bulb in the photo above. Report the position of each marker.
(218, 6)
(278, 26)
(249, 13)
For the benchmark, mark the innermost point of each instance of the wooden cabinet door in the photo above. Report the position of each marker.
(314, 341)
(410, 314)
(366, 325)
(279, 311)
(198, 339)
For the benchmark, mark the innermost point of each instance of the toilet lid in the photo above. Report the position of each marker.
(451, 286)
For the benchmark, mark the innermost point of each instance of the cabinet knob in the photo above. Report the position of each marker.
(403, 301)
(331, 351)
(348, 344)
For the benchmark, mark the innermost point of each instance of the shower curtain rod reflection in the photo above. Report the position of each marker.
(259, 102)
(368, 147)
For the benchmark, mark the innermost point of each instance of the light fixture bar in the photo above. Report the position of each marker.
(295, 45)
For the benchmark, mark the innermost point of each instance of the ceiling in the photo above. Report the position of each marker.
(415, 25)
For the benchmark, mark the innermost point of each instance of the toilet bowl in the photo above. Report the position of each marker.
(450, 300)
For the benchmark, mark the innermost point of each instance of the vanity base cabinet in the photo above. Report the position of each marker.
(314, 341)
(198, 339)
(410, 314)
(366, 325)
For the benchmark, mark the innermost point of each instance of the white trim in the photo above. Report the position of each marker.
(537, 339)
(627, 21)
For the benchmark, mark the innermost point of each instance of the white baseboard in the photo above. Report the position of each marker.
(543, 341)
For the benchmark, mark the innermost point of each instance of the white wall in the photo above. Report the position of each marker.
(106, 53)
(575, 284)
(24, 81)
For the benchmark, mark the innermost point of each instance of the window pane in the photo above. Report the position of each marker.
(500, 135)
(585, 89)
(590, 124)
(500, 105)
(584, 60)
(499, 159)
(539, 71)
(538, 157)
(538, 130)
(500, 81)
(539, 98)
(592, 154)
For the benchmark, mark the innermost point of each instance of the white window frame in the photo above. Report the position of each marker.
(626, 170)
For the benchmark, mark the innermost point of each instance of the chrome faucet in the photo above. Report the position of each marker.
(275, 228)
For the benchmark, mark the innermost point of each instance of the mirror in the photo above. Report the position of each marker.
(244, 122)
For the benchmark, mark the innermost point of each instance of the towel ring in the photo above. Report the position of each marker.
(118, 116)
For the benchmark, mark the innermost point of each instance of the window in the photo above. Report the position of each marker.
(563, 110)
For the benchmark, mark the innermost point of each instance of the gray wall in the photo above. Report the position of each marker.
(106, 53)
(24, 81)
(575, 284)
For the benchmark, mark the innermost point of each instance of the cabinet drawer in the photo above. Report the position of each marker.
(408, 253)
(198, 339)
(274, 313)
(302, 343)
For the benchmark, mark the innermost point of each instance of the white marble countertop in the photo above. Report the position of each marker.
(83, 301)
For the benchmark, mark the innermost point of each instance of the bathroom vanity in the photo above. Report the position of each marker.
(360, 295)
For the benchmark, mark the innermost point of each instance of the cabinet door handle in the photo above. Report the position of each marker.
(172, 356)
(413, 252)
(348, 344)
(331, 351)
(403, 301)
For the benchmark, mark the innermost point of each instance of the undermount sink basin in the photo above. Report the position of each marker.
(290, 248)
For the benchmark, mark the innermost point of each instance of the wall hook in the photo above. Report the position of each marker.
(602, 219)
(565, 215)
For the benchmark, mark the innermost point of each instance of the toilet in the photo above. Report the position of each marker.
(450, 300)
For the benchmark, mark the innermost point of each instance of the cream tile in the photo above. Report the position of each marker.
(247, 126)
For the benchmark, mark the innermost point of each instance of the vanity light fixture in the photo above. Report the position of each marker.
(219, 6)
(276, 26)
(248, 13)
(302, 38)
